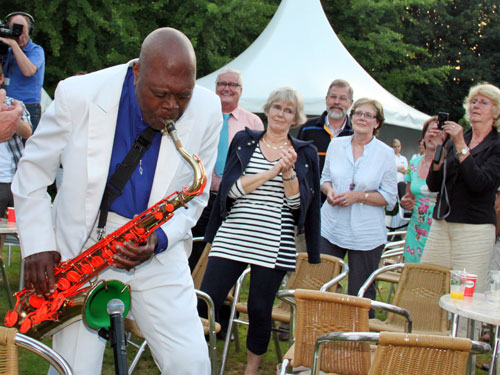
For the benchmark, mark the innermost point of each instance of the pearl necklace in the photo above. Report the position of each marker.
(275, 147)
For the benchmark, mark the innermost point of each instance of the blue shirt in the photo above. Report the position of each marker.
(20, 87)
(358, 226)
(129, 125)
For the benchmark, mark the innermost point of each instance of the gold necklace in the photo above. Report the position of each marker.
(274, 147)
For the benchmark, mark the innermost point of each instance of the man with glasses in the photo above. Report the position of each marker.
(229, 85)
(334, 122)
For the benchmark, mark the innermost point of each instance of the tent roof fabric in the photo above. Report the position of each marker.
(299, 48)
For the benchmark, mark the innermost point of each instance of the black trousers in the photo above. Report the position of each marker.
(361, 265)
(221, 275)
(6, 199)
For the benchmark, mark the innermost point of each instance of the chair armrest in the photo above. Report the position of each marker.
(396, 310)
(42, 350)
(338, 278)
(197, 239)
(479, 347)
(210, 307)
(393, 244)
(375, 273)
(288, 296)
(392, 253)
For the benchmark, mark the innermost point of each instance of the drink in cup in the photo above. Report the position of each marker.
(470, 285)
(457, 284)
(493, 287)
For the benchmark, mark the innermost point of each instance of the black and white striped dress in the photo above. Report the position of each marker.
(259, 229)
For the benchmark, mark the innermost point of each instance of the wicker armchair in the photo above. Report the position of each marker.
(324, 276)
(318, 313)
(10, 341)
(420, 287)
(408, 354)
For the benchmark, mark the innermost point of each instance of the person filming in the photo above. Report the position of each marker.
(24, 66)
(466, 177)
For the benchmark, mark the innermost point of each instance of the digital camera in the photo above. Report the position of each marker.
(442, 118)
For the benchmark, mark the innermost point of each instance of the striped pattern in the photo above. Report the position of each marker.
(260, 228)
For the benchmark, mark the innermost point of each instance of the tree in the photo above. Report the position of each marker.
(374, 33)
(88, 35)
(465, 35)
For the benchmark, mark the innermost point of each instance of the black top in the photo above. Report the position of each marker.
(313, 130)
(471, 185)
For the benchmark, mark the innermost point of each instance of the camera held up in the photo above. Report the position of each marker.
(6, 32)
(442, 118)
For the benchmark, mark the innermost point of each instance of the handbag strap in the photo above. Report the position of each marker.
(122, 174)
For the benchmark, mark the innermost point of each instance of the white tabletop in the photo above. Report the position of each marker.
(7, 227)
(476, 307)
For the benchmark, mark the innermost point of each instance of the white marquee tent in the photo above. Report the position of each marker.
(299, 48)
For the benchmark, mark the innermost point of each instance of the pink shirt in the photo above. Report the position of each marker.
(239, 120)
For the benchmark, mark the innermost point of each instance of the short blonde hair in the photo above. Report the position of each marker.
(491, 92)
(290, 96)
(378, 108)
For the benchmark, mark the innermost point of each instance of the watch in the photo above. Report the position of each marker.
(463, 151)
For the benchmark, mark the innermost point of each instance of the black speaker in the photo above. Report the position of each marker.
(29, 16)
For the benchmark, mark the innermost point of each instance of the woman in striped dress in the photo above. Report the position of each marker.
(270, 183)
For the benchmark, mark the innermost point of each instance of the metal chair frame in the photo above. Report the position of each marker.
(372, 337)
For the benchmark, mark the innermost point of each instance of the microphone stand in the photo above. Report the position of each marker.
(116, 335)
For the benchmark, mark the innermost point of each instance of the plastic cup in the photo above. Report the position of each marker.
(492, 291)
(457, 284)
(11, 215)
(470, 285)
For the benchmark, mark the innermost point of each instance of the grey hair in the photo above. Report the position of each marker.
(230, 70)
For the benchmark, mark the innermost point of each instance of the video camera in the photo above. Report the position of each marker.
(6, 32)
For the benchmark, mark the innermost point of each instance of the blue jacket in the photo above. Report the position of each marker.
(307, 218)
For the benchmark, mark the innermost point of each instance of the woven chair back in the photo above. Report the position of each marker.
(319, 313)
(201, 266)
(420, 287)
(312, 276)
(412, 354)
(8, 351)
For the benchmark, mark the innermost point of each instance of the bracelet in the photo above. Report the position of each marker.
(366, 199)
(291, 178)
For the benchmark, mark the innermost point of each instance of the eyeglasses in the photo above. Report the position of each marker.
(339, 98)
(232, 85)
(366, 115)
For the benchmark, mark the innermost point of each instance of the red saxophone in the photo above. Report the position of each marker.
(41, 317)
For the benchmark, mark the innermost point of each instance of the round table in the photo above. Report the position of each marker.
(476, 308)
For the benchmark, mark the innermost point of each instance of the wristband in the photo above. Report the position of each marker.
(291, 178)
(365, 200)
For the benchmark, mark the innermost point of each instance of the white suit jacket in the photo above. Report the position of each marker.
(78, 131)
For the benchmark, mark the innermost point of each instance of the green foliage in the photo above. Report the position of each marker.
(88, 35)
(426, 52)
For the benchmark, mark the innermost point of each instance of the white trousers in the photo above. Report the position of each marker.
(165, 312)
(460, 246)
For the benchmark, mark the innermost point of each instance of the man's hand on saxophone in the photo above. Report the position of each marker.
(130, 256)
(39, 271)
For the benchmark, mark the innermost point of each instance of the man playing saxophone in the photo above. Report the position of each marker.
(89, 128)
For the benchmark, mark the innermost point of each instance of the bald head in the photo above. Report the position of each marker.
(171, 46)
(165, 76)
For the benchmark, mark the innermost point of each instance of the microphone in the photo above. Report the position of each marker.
(117, 338)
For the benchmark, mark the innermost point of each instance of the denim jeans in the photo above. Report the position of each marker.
(35, 111)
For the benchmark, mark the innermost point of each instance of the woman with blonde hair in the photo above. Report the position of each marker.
(270, 183)
(466, 178)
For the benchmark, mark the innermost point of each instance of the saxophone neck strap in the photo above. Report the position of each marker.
(122, 174)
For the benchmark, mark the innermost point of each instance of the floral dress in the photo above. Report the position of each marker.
(421, 218)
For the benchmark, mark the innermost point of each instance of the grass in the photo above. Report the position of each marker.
(29, 363)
